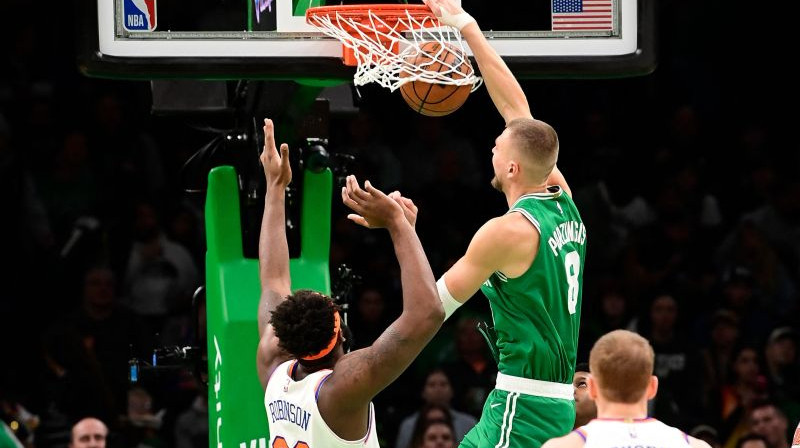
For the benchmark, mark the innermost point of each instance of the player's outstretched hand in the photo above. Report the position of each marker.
(449, 13)
(276, 165)
(410, 209)
(373, 209)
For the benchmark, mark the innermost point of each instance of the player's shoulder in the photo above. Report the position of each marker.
(505, 231)
(697, 443)
(571, 440)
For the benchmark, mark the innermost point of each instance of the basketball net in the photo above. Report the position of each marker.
(387, 47)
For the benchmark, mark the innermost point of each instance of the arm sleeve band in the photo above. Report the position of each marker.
(457, 21)
(449, 303)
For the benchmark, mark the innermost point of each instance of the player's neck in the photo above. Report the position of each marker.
(609, 410)
(514, 192)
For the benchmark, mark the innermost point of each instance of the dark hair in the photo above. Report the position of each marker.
(582, 367)
(766, 403)
(422, 424)
(750, 437)
(304, 323)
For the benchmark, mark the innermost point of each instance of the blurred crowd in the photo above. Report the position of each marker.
(689, 192)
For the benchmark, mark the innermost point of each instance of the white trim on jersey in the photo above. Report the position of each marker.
(528, 216)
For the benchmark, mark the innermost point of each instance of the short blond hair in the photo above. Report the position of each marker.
(537, 143)
(621, 363)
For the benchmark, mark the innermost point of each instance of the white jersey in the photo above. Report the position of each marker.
(631, 433)
(294, 417)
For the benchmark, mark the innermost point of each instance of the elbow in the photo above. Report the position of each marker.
(433, 312)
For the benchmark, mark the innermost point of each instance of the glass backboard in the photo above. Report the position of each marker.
(269, 39)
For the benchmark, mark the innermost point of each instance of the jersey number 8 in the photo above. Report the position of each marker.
(572, 265)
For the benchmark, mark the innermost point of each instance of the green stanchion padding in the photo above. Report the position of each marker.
(237, 418)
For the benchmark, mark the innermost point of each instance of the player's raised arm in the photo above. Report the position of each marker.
(273, 249)
(360, 375)
(503, 88)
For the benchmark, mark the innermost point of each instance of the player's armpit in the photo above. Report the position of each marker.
(506, 244)
(269, 355)
(270, 299)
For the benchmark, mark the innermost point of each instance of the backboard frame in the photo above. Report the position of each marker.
(310, 56)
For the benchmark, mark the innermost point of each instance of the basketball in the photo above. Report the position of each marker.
(431, 99)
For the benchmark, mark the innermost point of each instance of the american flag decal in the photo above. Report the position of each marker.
(582, 15)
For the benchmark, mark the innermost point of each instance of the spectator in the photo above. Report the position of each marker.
(142, 424)
(752, 441)
(436, 392)
(370, 317)
(89, 433)
(614, 312)
(781, 361)
(746, 386)
(718, 355)
(191, 427)
(768, 420)
(707, 434)
(161, 275)
(585, 408)
(473, 372)
(87, 351)
(435, 433)
(679, 393)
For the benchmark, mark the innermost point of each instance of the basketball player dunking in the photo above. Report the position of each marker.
(528, 263)
(621, 382)
(316, 395)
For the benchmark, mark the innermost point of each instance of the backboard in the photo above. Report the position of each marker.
(269, 39)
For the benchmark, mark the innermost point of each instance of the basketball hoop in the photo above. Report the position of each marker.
(384, 40)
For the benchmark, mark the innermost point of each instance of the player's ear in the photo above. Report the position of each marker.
(652, 387)
(512, 169)
(591, 387)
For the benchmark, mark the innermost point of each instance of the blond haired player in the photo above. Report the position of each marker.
(621, 382)
(528, 263)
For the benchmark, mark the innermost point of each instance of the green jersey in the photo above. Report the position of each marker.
(536, 315)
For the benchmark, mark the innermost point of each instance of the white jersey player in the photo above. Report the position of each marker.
(609, 433)
(293, 413)
(621, 383)
(316, 396)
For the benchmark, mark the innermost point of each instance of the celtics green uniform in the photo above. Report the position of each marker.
(536, 318)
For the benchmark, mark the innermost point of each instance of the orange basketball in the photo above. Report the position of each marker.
(432, 99)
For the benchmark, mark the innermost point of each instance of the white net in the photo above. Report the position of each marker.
(400, 48)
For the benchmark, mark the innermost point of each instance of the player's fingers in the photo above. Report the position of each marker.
(284, 154)
(372, 190)
(358, 219)
(395, 195)
(356, 191)
(348, 184)
(269, 134)
(410, 204)
(353, 205)
(346, 198)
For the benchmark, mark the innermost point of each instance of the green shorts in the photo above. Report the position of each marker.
(514, 420)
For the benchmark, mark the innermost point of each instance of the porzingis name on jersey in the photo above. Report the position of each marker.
(284, 410)
(566, 232)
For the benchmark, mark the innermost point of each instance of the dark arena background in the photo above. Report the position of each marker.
(686, 176)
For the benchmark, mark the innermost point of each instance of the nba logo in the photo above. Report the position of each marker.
(139, 15)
